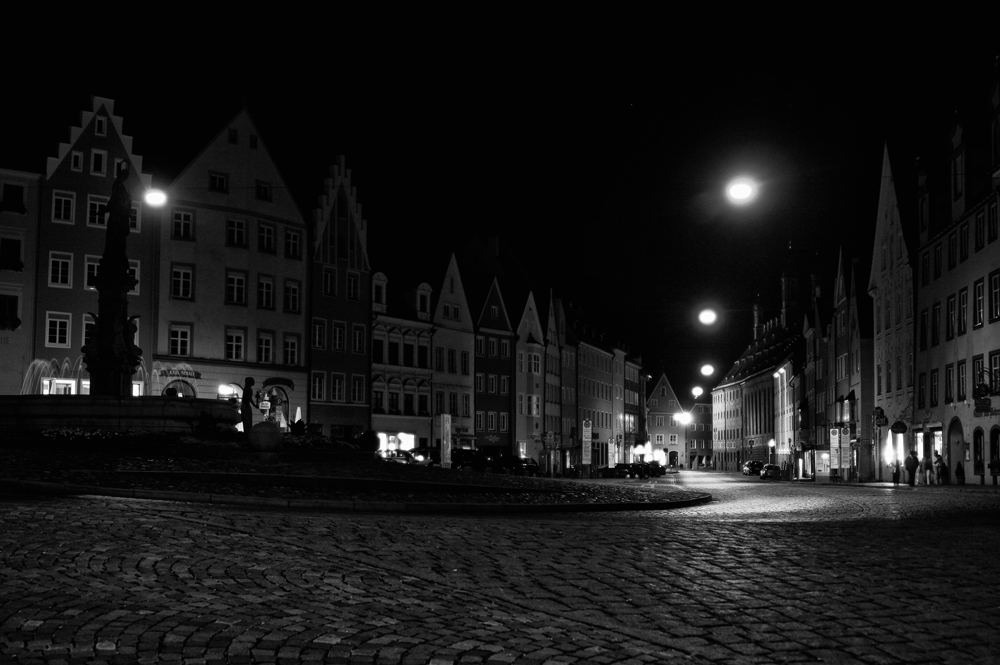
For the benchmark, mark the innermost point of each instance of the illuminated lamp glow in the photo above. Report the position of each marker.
(697, 391)
(707, 370)
(683, 417)
(155, 197)
(707, 316)
(741, 190)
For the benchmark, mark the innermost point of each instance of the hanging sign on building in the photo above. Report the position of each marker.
(445, 440)
(587, 433)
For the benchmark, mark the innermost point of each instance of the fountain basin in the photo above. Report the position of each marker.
(25, 414)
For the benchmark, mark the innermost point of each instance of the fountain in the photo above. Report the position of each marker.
(111, 359)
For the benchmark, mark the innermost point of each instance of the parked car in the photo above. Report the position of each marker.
(424, 457)
(397, 456)
(752, 468)
(631, 470)
(772, 471)
(513, 464)
(656, 469)
(468, 459)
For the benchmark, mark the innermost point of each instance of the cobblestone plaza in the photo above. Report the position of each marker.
(765, 572)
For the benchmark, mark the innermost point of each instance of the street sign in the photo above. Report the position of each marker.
(265, 405)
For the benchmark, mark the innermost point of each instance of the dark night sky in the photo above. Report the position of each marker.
(613, 164)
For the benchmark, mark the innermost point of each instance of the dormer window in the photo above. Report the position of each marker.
(218, 182)
(263, 190)
(101, 125)
(422, 303)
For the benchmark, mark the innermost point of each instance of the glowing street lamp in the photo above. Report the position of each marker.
(697, 391)
(155, 197)
(741, 191)
(707, 370)
(684, 418)
(707, 316)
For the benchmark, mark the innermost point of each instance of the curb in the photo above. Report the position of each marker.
(319, 505)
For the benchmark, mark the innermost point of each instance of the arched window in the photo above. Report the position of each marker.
(978, 463)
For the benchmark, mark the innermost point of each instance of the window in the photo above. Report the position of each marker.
(936, 324)
(61, 270)
(505, 348)
(491, 421)
(182, 227)
(960, 381)
(438, 403)
(535, 405)
(978, 303)
(236, 287)
(994, 296)
(263, 190)
(11, 254)
(133, 271)
(949, 381)
(480, 345)
(89, 328)
(317, 386)
(980, 231)
(992, 235)
(265, 238)
(357, 389)
(265, 292)
(62, 207)
(933, 396)
(439, 358)
(534, 363)
(493, 347)
(963, 310)
(236, 233)
(339, 339)
(925, 269)
(950, 316)
(291, 303)
(182, 282)
(963, 242)
(57, 329)
(218, 182)
(265, 347)
(491, 385)
(235, 344)
(98, 162)
(337, 387)
(353, 286)
(180, 340)
(329, 282)
(878, 379)
(503, 421)
(293, 245)
(480, 383)
(465, 363)
(76, 161)
(480, 420)
(452, 362)
(937, 260)
(494, 312)
(466, 405)
(453, 403)
(96, 212)
(358, 340)
(952, 250)
(319, 333)
(291, 356)
(504, 385)
(922, 391)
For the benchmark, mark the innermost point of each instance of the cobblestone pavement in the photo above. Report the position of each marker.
(765, 573)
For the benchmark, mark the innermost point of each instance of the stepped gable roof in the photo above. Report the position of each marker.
(772, 345)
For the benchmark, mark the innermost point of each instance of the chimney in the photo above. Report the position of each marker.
(757, 328)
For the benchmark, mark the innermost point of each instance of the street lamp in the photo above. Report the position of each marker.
(707, 316)
(741, 191)
(697, 391)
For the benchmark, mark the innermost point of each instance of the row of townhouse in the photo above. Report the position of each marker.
(233, 281)
(936, 285)
(490, 362)
(678, 436)
(908, 360)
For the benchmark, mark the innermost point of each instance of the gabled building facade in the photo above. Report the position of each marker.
(454, 346)
(233, 279)
(340, 310)
(402, 377)
(70, 242)
(530, 381)
(957, 356)
(667, 433)
(552, 436)
(494, 368)
(594, 369)
(891, 289)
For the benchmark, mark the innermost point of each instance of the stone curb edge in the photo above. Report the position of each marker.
(39, 487)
